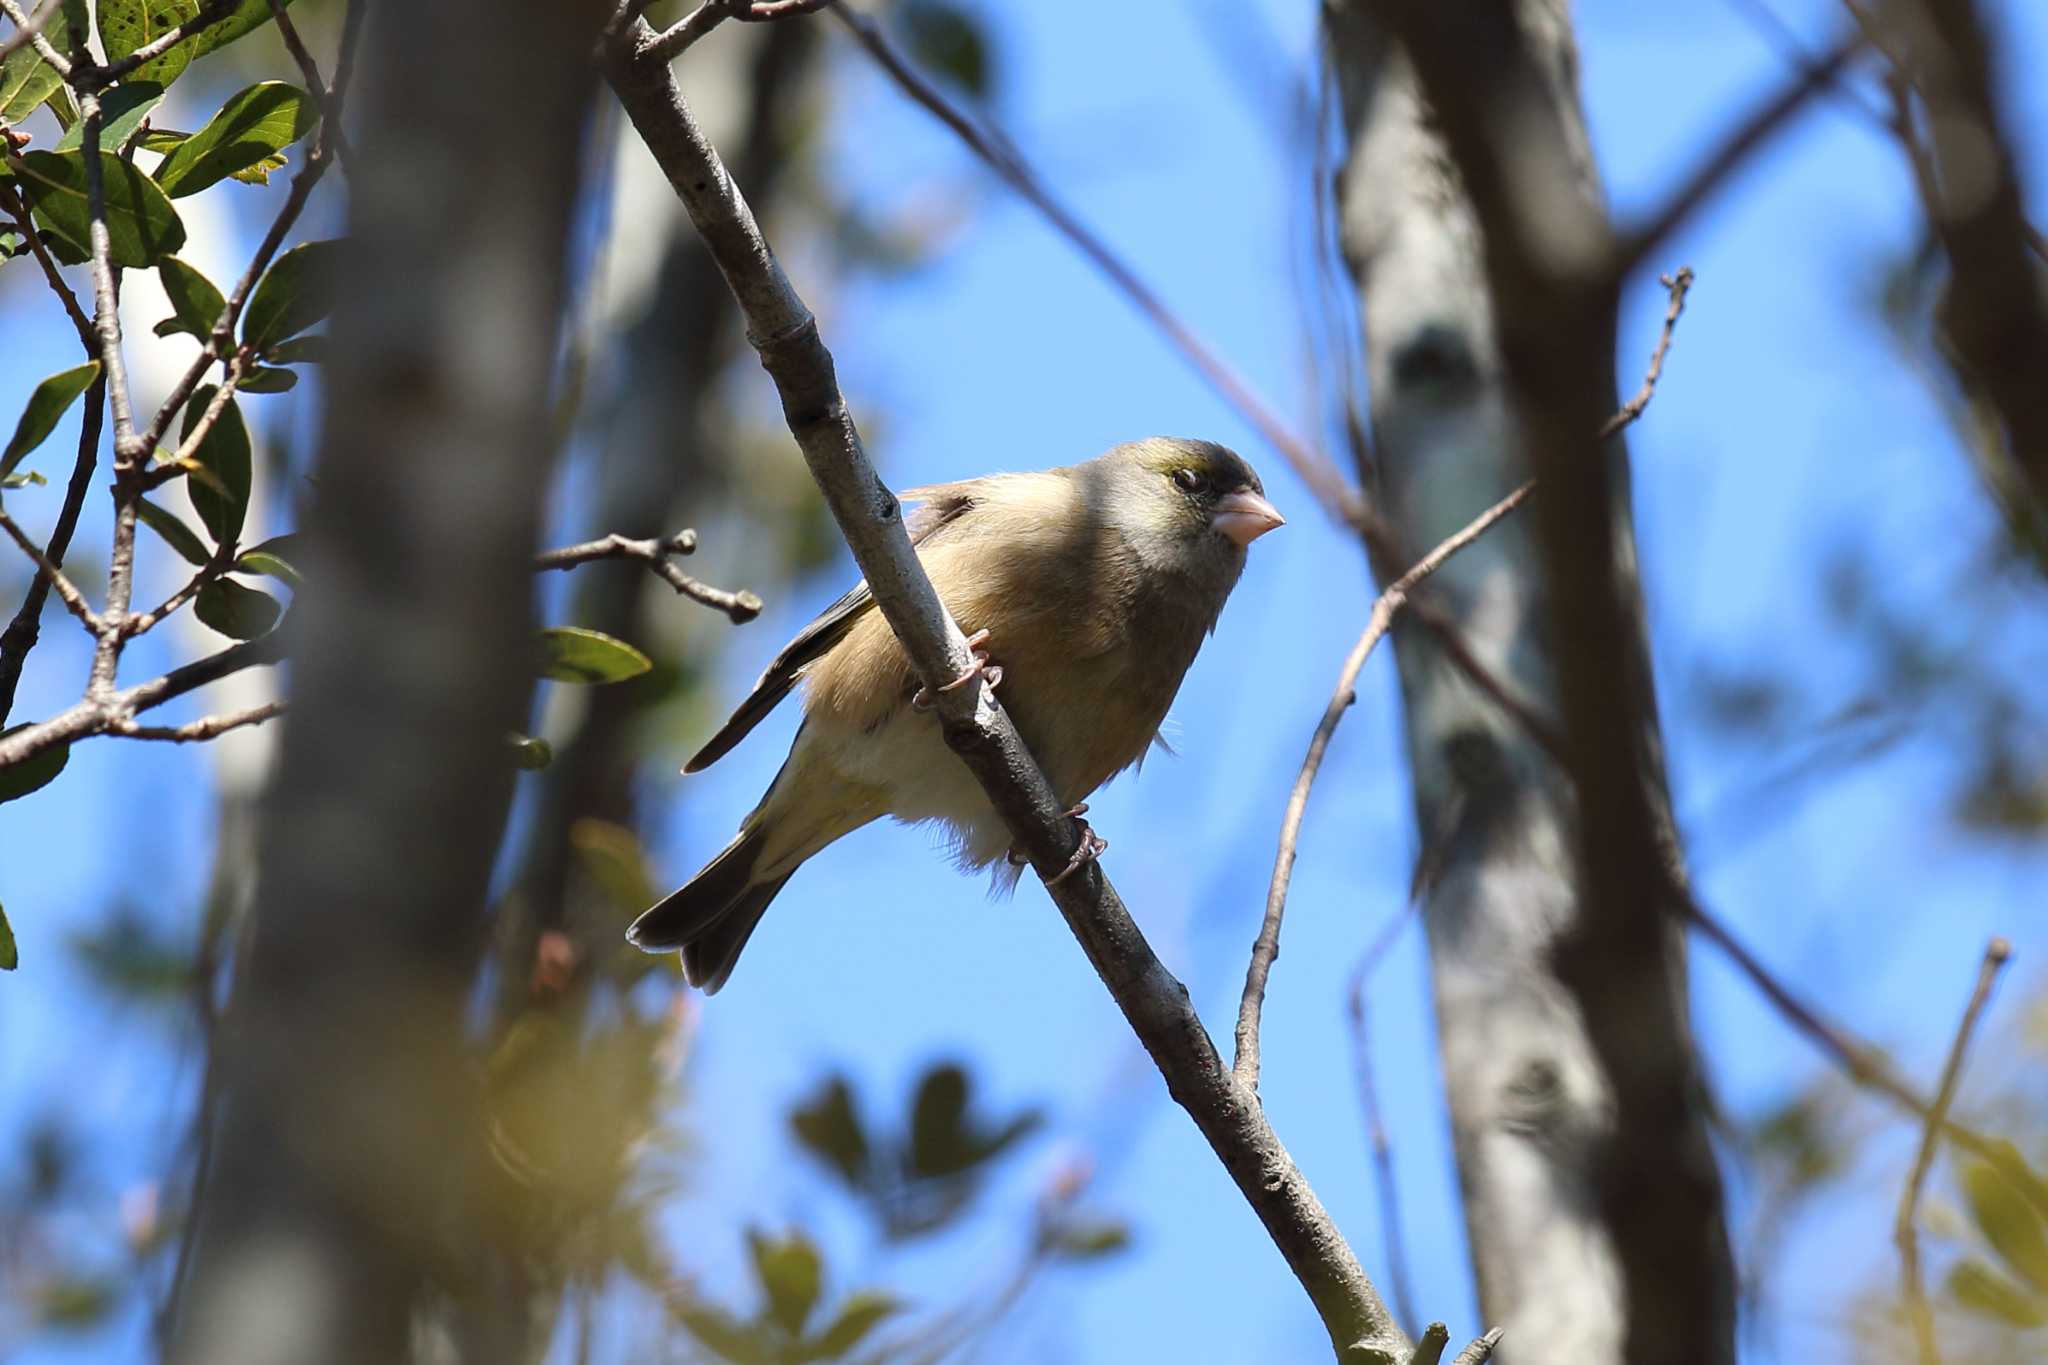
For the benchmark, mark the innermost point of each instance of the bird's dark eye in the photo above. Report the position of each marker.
(1188, 479)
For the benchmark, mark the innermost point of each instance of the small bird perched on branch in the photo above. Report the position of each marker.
(1093, 584)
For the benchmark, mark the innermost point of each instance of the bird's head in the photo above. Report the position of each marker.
(1197, 492)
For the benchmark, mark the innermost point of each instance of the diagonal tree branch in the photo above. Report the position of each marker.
(741, 607)
(1001, 156)
(1904, 1228)
(1157, 1006)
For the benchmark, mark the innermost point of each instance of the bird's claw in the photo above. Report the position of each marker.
(1017, 857)
(1092, 846)
(992, 674)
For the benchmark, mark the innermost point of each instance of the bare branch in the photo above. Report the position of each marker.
(67, 592)
(1001, 156)
(211, 727)
(1904, 1230)
(1864, 1064)
(1392, 1234)
(26, 628)
(101, 76)
(783, 330)
(670, 42)
(1480, 1351)
(742, 606)
(30, 30)
(323, 94)
(18, 211)
(1677, 286)
(1267, 946)
(92, 717)
(1992, 318)
(106, 317)
(1735, 149)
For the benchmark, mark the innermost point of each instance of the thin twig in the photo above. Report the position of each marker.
(1735, 149)
(67, 591)
(1267, 947)
(741, 606)
(1000, 155)
(671, 41)
(323, 94)
(1676, 286)
(1480, 1351)
(1905, 1227)
(100, 76)
(31, 31)
(91, 717)
(27, 27)
(18, 211)
(209, 727)
(1392, 1234)
(106, 317)
(1864, 1064)
(26, 628)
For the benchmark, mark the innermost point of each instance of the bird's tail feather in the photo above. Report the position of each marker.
(724, 890)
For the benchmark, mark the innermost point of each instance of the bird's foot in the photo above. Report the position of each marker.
(923, 700)
(1092, 846)
(1017, 857)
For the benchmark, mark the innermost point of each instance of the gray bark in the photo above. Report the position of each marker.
(333, 1195)
(1567, 1058)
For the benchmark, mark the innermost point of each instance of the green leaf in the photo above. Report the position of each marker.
(855, 1319)
(299, 351)
(269, 559)
(142, 227)
(611, 856)
(573, 654)
(126, 25)
(195, 302)
(235, 611)
(719, 1333)
(259, 172)
(946, 38)
(45, 407)
(12, 243)
(296, 292)
(23, 479)
(530, 753)
(263, 379)
(122, 110)
(10, 956)
(829, 1128)
(791, 1274)
(1084, 1241)
(176, 533)
(1977, 1286)
(224, 453)
(19, 779)
(254, 124)
(26, 80)
(2008, 1221)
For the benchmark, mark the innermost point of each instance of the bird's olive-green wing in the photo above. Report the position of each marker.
(941, 506)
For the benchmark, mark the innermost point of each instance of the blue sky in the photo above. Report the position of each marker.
(1786, 429)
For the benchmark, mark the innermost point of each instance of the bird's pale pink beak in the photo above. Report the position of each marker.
(1244, 516)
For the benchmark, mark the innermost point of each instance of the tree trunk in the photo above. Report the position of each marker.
(346, 1115)
(1573, 1085)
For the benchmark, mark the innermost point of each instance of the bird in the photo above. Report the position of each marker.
(1086, 591)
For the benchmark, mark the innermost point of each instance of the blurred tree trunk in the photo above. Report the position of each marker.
(1543, 1064)
(660, 467)
(333, 1190)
